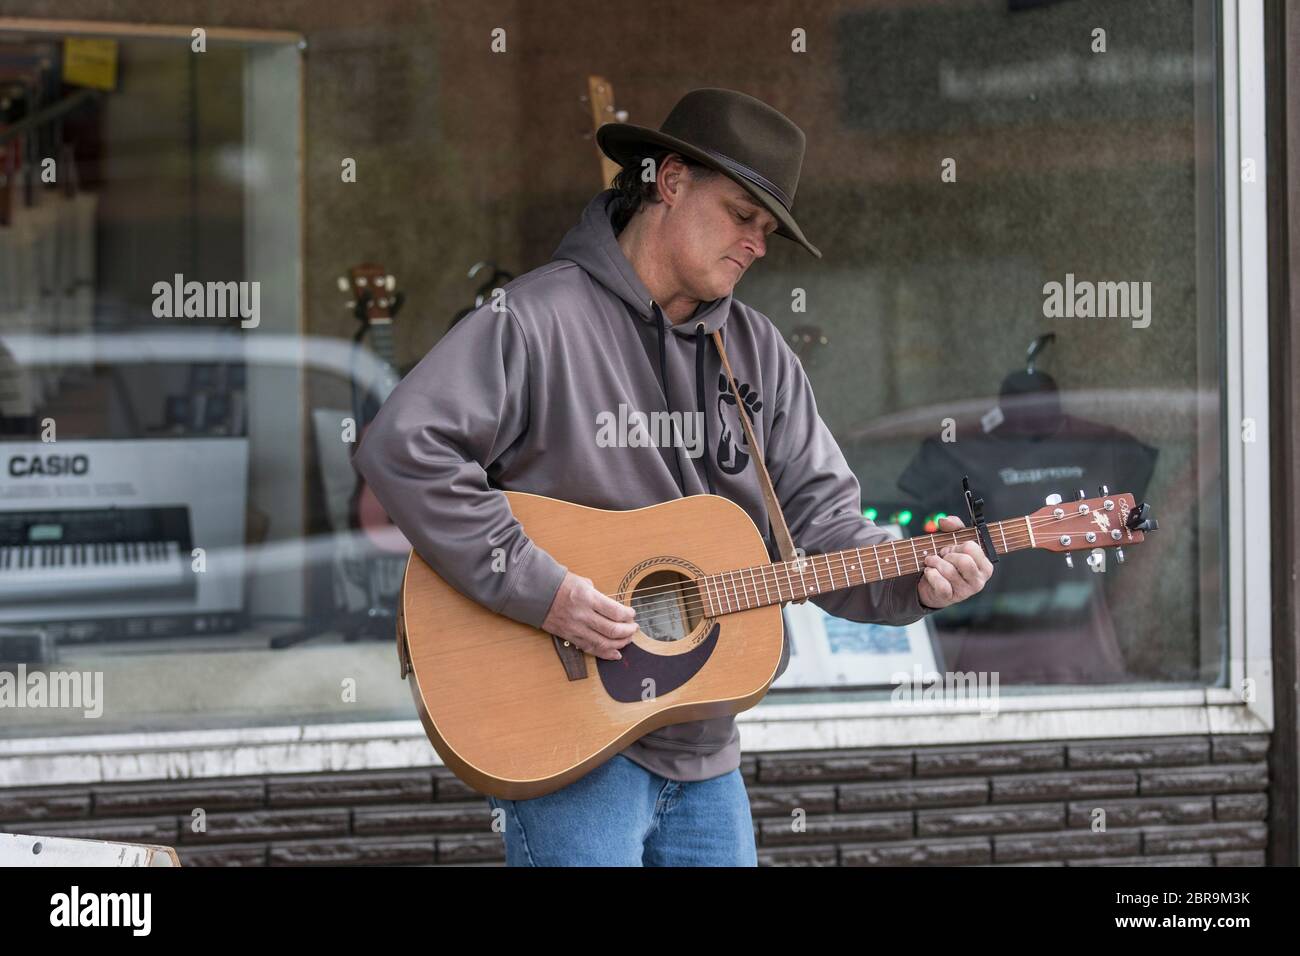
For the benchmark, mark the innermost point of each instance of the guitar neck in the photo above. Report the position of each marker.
(381, 340)
(732, 591)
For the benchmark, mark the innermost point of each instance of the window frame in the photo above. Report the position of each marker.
(773, 725)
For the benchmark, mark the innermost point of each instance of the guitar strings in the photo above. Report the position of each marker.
(1019, 535)
(670, 606)
(670, 602)
(740, 595)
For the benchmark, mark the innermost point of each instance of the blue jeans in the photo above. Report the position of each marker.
(621, 814)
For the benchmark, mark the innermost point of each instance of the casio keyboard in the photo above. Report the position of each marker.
(104, 550)
(72, 555)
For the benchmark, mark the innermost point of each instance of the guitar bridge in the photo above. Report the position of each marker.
(571, 657)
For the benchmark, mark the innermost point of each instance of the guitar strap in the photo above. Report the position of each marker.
(779, 528)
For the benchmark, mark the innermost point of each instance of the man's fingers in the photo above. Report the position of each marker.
(612, 630)
(960, 569)
(974, 551)
(599, 646)
(945, 569)
(586, 639)
(592, 621)
(979, 559)
(606, 606)
(956, 569)
(965, 566)
(939, 584)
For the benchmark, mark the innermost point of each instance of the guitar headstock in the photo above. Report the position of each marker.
(372, 290)
(1107, 521)
(600, 98)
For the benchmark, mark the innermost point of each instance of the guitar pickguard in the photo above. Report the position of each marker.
(623, 680)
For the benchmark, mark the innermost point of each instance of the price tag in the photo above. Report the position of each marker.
(90, 61)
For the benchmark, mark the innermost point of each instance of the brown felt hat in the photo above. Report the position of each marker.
(734, 133)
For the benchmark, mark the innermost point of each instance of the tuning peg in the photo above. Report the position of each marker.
(1082, 494)
(1069, 560)
(1119, 555)
(390, 283)
(1103, 491)
(1053, 499)
(343, 283)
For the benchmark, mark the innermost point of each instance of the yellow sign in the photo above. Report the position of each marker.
(89, 61)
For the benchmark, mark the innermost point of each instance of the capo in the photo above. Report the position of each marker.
(1141, 519)
(976, 508)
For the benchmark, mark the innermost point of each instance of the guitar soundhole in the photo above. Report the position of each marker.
(668, 605)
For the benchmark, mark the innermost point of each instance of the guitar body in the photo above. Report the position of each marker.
(516, 715)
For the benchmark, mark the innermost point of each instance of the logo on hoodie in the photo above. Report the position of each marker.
(732, 453)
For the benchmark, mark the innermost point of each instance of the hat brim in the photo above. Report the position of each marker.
(621, 141)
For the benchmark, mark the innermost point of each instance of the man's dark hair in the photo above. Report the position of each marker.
(632, 192)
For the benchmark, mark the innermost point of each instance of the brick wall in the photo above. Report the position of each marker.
(1186, 801)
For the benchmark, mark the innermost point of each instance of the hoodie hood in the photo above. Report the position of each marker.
(593, 246)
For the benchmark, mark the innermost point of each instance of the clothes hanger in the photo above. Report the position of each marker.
(498, 278)
(1030, 399)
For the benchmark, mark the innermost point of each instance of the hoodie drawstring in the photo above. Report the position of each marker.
(700, 348)
(668, 400)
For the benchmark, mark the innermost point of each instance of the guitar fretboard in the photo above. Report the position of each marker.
(381, 340)
(746, 588)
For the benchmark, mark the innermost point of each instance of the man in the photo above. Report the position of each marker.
(511, 399)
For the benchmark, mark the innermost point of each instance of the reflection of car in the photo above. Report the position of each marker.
(1141, 411)
(163, 495)
(1183, 424)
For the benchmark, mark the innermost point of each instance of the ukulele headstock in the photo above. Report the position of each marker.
(372, 290)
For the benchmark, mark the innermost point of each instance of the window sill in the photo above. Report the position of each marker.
(384, 745)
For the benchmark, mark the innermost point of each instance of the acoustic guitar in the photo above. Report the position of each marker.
(517, 713)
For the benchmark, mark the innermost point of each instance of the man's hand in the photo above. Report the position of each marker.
(953, 575)
(583, 616)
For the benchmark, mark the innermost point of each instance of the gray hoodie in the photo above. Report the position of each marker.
(511, 400)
